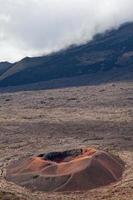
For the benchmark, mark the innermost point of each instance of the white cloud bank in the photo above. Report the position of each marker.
(36, 27)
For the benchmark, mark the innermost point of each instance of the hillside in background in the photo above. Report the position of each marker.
(109, 56)
(4, 66)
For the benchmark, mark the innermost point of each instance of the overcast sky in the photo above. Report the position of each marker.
(37, 27)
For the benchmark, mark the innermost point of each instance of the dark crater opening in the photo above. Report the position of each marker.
(61, 156)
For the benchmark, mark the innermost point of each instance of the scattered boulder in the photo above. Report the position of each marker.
(73, 170)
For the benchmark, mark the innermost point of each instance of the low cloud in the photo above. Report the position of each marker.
(38, 27)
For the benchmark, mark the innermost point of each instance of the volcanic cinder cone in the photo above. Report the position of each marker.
(79, 169)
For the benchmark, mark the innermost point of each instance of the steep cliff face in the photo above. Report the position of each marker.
(111, 51)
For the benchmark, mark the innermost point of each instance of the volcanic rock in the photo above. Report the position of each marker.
(73, 170)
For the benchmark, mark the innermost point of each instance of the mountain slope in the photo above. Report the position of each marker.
(110, 51)
(4, 66)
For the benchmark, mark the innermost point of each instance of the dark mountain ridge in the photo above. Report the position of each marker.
(4, 66)
(112, 51)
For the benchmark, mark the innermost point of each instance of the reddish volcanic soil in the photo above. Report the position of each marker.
(78, 169)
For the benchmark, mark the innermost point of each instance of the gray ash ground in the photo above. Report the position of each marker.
(35, 122)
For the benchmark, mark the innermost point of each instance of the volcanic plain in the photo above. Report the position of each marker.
(35, 122)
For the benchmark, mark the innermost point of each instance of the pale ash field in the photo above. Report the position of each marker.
(38, 121)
